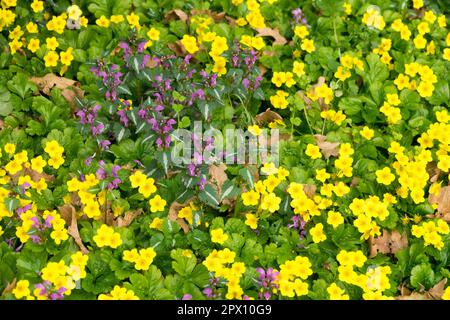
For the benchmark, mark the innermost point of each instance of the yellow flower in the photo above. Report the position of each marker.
(313, 151)
(322, 175)
(218, 236)
(137, 179)
(102, 22)
(153, 34)
(254, 130)
(367, 133)
(37, 6)
(66, 56)
(74, 12)
(157, 223)
(335, 219)
(51, 43)
(10, 148)
(308, 45)
(446, 54)
(133, 20)
(33, 45)
(186, 213)
(385, 176)
(250, 198)
(301, 31)
(32, 27)
(251, 220)
(425, 89)
(278, 78)
(270, 202)
(190, 44)
(21, 290)
(147, 188)
(51, 59)
(317, 233)
(59, 235)
(420, 42)
(298, 68)
(157, 204)
(417, 4)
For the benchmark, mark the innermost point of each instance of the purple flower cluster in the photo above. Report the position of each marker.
(299, 16)
(111, 78)
(88, 117)
(266, 282)
(45, 289)
(299, 224)
(245, 59)
(102, 174)
(212, 292)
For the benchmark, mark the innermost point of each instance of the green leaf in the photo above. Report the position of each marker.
(441, 94)
(182, 264)
(6, 106)
(20, 85)
(422, 274)
(209, 196)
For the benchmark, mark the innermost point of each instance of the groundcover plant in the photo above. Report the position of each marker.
(224, 149)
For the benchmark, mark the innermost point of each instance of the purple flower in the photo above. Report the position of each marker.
(208, 292)
(187, 296)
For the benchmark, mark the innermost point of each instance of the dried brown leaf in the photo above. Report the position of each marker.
(128, 218)
(328, 148)
(388, 242)
(433, 171)
(176, 14)
(308, 101)
(267, 117)
(274, 33)
(73, 231)
(443, 202)
(434, 293)
(9, 287)
(66, 213)
(177, 48)
(218, 176)
(173, 215)
(309, 190)
(70, 89)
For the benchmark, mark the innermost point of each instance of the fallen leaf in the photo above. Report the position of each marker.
(151, 63)
(388, 242)
(267, 117)
(9, 287)
(36, 176)
(309, 190)
(173, 215)
(434, 293)
(66, 213)
(176, 14)
(328, 148)
(308, 101)
(177, 48)
(274, 33)
(262, 69)
(218, 176)
(433, 171)
(128, 218)
(70, 89)
(443, 202)
(73, 231)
